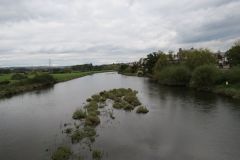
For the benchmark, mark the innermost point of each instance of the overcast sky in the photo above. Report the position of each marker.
(105, 31)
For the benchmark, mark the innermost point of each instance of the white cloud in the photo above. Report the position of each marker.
(79, 31)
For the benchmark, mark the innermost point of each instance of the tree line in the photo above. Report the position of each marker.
(196, 68)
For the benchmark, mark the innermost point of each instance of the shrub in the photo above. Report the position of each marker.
(142, 109)
(197, 57)
(68, 130)
(18, 76)
(92, 120)
(233, 75)
(97, 155)
(43, 79)
(62, 153)
(204, 77)
(4, 82)
(77, 136)
(178, 75)
(79, 114)
(132, 99)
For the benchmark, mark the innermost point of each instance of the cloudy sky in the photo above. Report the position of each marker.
(105, 31)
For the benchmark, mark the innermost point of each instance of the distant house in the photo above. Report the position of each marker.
(222, 59)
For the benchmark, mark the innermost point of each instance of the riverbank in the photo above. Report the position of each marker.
(232, 91)
(31, 83)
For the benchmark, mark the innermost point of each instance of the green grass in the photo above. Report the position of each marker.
(230, 90)
(5, 77)
(61, 77)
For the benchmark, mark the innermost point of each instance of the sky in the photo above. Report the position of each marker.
(111, 31)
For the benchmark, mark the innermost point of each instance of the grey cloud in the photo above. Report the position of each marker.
(80, 31)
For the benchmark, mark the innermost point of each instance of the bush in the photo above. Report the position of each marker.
(204, 77)
(132, 99)
(19, 76)
(97, 155)
(233, 75)
(197, 57)
(142, 109)
(79, 114)
(4, 82)
(177, 75)
(62, 153)
(92, 120)
(43, 79)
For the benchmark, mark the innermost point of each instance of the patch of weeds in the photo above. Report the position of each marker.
(92, 120)
(142, 109)
(68, 130)
(97, 155)
(132, 99)
(96, 97)
(89, 100)
(77, 136)
(79, 114)
(62, 153)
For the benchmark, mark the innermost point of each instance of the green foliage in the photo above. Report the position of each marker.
(142, 109)
(5, 82)
(92, 120)
(43, 79)
(197, 57)
(233, 75)
(233, 55)
(204, 77)
(132, 99)
(79, 114)
(68, 130)
(122, 68)
(151, 60)
(77, 136)
(177, 75)
(62, 153)
(97, 155)
(161, 63)
(19, 76)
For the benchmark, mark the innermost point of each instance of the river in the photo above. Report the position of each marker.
(181, 124)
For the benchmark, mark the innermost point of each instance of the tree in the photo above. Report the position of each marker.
(197, 57)
(162, 62)
(151, 60)
(204, 77)
(233, 54)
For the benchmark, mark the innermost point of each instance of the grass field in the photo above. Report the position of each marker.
(18, 86)
(5, 77)
(61, 77)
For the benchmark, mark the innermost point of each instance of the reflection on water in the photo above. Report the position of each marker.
(181, 124)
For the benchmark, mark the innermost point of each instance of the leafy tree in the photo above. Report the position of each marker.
(162, 62)
(197, 57)
(177, 75)
(233, 54)
(122, 68)
(204, 77)
(151, 60)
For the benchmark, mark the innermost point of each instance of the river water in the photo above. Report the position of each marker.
(181, 124)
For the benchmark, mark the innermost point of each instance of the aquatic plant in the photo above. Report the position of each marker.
(62, 153)
(142, 109)
(92, 120)
(79, 114)
(97, 155)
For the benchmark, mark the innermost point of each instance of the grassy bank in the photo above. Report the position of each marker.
(62, 77)
(232, 91)
(35, 81)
